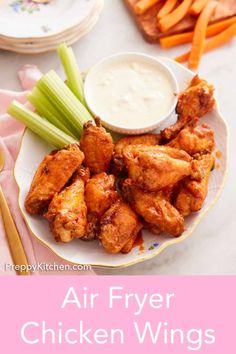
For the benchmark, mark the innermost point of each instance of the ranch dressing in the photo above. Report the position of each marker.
(131, 93)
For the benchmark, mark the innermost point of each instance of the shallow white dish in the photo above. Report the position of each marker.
(24, 19)
(127, 60)
(32, 152)
(25, 39)
(29, 48)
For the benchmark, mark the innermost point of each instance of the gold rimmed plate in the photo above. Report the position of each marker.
(32, 152)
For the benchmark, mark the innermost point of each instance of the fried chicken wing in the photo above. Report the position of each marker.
(192, 193)
(155, 167)
(118, 162)
(97, 146)
(195, 140)
(119, 225)
(51, 176)
(67, 212)
(193, 103)
(100, 194)
(155, 208)
(130, 244)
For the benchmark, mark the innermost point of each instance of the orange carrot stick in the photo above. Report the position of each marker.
(199, 35)
(197, 7)
(166, 8)
(183, 57)
(143, 5)
(175, 16)
(182, 38)
(214, 42)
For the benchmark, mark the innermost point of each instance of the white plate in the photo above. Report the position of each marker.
(32, 152)
(37, 47)
(24, 19)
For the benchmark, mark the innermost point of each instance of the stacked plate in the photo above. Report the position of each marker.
(27, 26)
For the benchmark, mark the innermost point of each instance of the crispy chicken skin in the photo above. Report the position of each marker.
(192, 193)
(67, 212)
(119, 225)
(118, 162)
(195, 140)
(146, 139)
(155, 167)
(97, 146)
(155, 208)
(51, 176)
(100, 194)
(130, 244)
(193, 103)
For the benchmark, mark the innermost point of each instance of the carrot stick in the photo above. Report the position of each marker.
(183, 57)
(143, 5)
(199, 35)
(166, 8)
(182, 38)
(197, 7)
(214, 42)
(175, 16)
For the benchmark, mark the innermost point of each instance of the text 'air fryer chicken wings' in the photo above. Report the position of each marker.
(51, 176)
(155, 167)
(193, 103)
(119, 226)
(192, 193)
(97, 146)
(155, 208)
(67, 212)
(100, 194)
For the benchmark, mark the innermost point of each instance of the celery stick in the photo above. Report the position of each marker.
(44, 107)
(74, 78)
(66, 102)
(38, 125)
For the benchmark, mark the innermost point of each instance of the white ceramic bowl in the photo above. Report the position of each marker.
(138, 58)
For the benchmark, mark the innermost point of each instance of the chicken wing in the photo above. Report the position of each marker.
(67, 212)
(119, 225)
(100, 194)
(195, 140)
(118, 162)
(130, 244)
(51, 176)
(97, 146)
(155, 167)
(193, 103)
(155, 208)
(192, 193)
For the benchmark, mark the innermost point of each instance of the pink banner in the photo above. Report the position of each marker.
(117, 314)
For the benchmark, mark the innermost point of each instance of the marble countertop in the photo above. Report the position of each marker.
(211, 249)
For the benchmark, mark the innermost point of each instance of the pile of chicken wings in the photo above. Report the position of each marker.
(106, 191)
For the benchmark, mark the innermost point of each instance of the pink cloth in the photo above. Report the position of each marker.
(10, 136)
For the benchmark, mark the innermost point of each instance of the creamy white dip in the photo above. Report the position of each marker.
(131, 93)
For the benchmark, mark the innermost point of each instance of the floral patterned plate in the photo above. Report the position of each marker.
(27, 19)
(92, 253)
(51, 43)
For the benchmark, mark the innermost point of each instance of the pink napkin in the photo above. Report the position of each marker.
(10, 136)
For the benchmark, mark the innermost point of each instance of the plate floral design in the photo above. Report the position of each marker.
(26, 19)
(25, 6)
